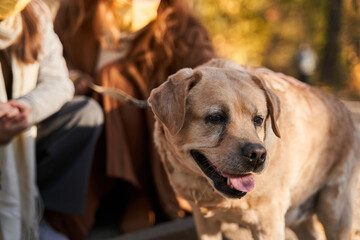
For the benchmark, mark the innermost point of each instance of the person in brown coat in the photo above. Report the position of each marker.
(136, 55)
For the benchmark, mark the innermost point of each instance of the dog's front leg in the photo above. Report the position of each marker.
(207, 228)
(270, 224)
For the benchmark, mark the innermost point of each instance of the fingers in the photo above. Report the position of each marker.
(13, 127)
(82, 84)
(13, 120)
(14, 111)
(8, 111)
(9, 129)
(24, 110)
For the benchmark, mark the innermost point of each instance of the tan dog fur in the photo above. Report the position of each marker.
(312, 146)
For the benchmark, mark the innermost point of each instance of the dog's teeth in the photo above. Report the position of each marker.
(229, 183)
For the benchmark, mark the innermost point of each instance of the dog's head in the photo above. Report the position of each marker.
(217, 118)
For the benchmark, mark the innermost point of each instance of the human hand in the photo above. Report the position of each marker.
(13, 120)
(81, 82)
(7, 111)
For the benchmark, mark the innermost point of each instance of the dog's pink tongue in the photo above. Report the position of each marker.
(245, 183)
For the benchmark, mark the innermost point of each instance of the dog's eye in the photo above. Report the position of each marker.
(215, 118)
(258, 121)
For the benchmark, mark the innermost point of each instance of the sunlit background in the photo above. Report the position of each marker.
(269, 33)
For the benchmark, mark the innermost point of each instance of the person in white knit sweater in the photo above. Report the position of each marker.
(47, 135)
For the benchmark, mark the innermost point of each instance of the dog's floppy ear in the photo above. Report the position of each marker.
(273, 104)
(168, 100)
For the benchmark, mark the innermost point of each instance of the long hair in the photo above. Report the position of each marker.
(170, 44)
(27, 48)
(77, 13)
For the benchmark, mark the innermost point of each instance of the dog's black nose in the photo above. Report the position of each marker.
(254, 153)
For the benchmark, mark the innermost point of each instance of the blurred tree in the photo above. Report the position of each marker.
(269, 33)
(330, 72)
(352, 44)
(238, 27)
(263, 32)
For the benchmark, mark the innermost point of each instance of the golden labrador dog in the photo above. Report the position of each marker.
(252, 148)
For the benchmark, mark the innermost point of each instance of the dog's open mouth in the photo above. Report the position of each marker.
(230, 186)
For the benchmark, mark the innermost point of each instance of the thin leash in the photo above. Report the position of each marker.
(119, 95)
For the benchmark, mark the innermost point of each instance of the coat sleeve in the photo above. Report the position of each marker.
(53, 88)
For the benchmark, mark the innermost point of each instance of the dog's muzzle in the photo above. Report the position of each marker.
(234, 185)
(221, 183)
